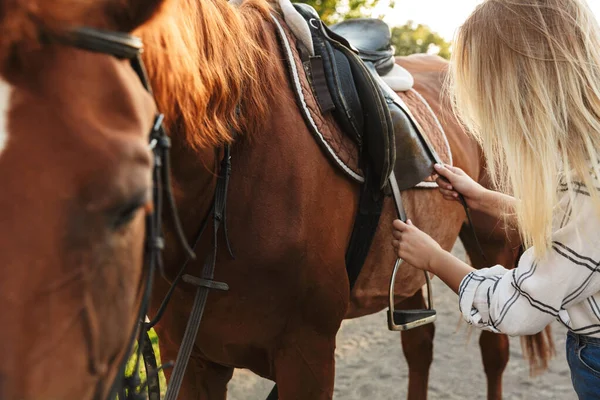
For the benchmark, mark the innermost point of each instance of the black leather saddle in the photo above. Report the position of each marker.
(371, 38)
(349, 91)
(345, 74)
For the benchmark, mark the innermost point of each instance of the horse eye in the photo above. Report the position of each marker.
(124, 214)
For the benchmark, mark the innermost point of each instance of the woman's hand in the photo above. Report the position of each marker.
(419, 250)
(414, 246)
(459, 182)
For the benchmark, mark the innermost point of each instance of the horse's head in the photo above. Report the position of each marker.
(75, 185)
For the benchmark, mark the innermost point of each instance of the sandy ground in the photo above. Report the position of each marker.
(370, 363)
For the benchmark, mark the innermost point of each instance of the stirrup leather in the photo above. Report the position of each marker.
(403, 320)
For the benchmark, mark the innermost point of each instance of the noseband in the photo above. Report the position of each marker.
(129, 47)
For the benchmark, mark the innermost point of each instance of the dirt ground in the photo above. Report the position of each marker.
(370, 363)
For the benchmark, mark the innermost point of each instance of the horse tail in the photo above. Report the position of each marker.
(538, 350)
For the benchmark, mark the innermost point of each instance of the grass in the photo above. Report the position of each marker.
(131, 363)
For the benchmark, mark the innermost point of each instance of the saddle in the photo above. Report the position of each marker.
(348, 67)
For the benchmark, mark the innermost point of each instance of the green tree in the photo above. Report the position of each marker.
(410, 39)
(333, 11)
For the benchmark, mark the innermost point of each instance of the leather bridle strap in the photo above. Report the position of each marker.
(126, 46)
(117, 44)
(154, 247)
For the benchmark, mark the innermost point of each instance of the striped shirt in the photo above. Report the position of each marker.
(564, 285)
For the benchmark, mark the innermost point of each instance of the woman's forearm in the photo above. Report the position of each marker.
(449, 269)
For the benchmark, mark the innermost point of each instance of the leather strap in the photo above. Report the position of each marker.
(319, 83)
(205, 283)
(118, 44)
(397, 197)
(370, 206)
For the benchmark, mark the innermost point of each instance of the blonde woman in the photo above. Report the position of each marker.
(525, 80)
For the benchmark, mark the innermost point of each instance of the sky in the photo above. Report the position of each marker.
(442, 16)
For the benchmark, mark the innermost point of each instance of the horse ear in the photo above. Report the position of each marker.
(135, 13)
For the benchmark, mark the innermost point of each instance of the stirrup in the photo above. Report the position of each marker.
(403, 320)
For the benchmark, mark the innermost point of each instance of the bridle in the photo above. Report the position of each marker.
(129, 47)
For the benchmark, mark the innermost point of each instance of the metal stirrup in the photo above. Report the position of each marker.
(402, 320)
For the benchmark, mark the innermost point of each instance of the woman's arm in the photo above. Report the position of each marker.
(524, 300)
(449, 269)
(499, 206)
(453, 181)
(420, 250)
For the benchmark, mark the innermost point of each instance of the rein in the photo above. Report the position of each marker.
(203, 284)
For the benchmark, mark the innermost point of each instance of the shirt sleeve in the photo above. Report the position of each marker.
(524, 300)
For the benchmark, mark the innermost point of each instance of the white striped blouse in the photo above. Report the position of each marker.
(564, 285)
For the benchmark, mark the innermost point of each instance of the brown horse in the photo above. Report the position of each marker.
(218, 73)
(75, 170)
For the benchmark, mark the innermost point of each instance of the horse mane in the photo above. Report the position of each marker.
(211, 68)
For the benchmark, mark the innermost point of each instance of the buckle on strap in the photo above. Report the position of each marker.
(207, 283)
(155, 243)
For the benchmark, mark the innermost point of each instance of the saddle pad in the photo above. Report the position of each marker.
(295, 22)
(338, 147)
(399, 79)
(432, 128)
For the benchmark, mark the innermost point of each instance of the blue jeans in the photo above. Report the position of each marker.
(583, 355)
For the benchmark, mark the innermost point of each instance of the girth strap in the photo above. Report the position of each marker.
(370, 206)
(205, 283)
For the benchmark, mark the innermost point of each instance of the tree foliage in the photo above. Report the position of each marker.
(410, 39)
(333, 11)
(407, 39)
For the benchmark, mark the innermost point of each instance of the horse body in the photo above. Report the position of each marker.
(290, 216)
(217, 71)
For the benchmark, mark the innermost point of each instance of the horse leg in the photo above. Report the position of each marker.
(417, 345)
(203, 380)
(494, 354)
(210, 379)
(305, 366)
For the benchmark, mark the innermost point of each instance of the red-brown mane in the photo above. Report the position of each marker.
(210, 74)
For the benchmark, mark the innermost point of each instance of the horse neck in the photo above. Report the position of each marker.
(211, 73)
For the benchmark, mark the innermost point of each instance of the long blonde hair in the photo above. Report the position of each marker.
(525, 80)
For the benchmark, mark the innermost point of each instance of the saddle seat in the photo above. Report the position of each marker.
(371, 38)
(365, 34)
